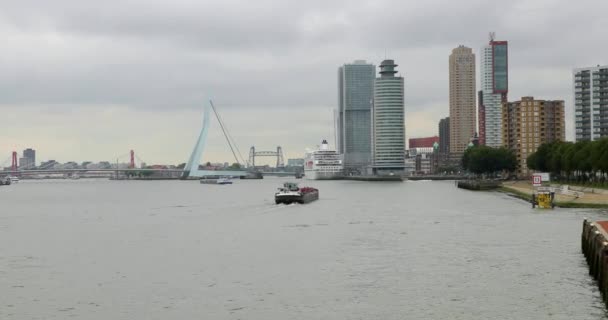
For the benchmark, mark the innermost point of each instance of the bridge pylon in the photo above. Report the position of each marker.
(132, 160)
(192, 166)
(14, 161)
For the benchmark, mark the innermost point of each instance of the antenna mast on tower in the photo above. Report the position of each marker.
(492, 36)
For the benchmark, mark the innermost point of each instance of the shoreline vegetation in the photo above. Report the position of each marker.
(580, 163)
(579, 171)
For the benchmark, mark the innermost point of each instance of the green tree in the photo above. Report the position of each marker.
(487, 160)
(235, 165)
(583, 161)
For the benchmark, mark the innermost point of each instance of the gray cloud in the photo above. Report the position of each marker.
(277, 55)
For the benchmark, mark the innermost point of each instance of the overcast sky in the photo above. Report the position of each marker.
(90, 80)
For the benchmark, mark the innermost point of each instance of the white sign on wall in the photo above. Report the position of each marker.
(537, 180)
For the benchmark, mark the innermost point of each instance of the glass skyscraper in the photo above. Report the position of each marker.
(494, 90)
(354, 131)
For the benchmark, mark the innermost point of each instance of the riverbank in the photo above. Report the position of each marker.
(375, 178)
(524, 190)
(436, 177)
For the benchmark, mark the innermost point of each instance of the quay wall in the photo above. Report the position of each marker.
(478, 184)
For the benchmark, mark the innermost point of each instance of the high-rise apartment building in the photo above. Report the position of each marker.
(494, 70)
(528, 123)
(354, 127)
(388, 121)
(30, 155)
(591, 103)
(444, 135)
(462, 98)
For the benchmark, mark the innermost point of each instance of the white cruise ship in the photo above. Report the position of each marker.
(323, 164)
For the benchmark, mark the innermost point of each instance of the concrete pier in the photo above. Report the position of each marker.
(594, 244)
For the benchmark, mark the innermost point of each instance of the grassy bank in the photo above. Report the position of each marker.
(562, 204)
(515, 193)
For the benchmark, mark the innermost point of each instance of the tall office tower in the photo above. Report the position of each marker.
(528, 123)
(494, 69)
(355, 94)
(462, 99)
(591, 103)
(388, 121)
(30, 154)
(444, 135)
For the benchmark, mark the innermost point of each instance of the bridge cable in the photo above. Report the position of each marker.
(227, 132)
(224, 131)
(139, 159)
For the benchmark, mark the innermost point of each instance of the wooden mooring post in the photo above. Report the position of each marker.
(594, 244)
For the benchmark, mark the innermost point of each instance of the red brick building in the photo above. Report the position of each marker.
(423, 142)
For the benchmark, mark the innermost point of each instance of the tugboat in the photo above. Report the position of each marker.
(543, 199)
(290, 193)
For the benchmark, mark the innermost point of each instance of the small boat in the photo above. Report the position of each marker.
(291, 193)
(14, 179)
(221, 180)
(224, 180)
(5, 181)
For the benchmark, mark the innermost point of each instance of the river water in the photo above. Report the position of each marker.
(91, 249)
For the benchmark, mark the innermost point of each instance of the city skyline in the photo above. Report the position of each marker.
(89, 89)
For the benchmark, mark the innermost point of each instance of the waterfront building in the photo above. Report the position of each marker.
(444, 135)
(25, 163)
(528, 123)
(299, 162)
(462, 99)
(410, 165)
(388, 121)
(50, 164)
(354, 127)
(424, 158)
(30, 154)
(591, 103)
(426, 142)
(494, 73)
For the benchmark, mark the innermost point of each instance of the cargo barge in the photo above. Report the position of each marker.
(291, 193)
